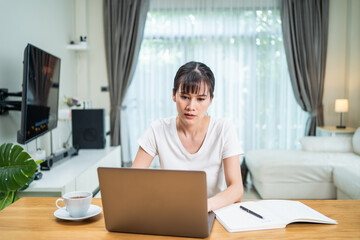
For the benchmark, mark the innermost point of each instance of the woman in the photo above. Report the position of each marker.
(194, 141)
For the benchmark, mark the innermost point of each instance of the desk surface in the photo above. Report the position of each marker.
(33, 218)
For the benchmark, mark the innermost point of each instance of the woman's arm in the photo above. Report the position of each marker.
(234, 191)
(142, 159)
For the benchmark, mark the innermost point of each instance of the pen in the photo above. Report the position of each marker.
(251, 212)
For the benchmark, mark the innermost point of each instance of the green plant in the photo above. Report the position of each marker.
(17, 169)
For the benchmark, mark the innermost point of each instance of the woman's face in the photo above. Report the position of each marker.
(192, 107)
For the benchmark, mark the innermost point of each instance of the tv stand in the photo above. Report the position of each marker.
(78, 173)
(48, 163)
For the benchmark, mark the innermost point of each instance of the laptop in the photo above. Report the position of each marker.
(155, 201)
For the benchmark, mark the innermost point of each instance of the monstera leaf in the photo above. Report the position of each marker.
(16, 170)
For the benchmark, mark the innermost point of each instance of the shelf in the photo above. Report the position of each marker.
(78, 47)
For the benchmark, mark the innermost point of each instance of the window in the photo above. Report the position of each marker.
(243, 46)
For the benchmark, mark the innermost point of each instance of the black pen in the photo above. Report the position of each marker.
(251, 212)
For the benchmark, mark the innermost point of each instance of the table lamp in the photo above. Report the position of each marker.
(341, 105)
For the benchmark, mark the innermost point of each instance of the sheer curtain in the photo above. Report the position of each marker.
(241, 41)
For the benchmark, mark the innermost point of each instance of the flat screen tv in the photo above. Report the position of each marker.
(40, 94)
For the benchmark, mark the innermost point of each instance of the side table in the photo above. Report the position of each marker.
(333, 131)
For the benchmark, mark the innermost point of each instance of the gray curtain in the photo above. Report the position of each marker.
(124, 27)
(305, 34)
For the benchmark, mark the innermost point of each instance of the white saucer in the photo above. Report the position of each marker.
(63, 214)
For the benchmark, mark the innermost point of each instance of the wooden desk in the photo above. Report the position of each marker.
(33, 218)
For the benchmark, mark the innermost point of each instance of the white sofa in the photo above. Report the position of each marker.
(325, 168)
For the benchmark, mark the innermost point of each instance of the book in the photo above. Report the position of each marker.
(275, 214)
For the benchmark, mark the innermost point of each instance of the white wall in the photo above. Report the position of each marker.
(48, 25)
(342, 77)
(97, 59)
(92, 72)
(353, 70)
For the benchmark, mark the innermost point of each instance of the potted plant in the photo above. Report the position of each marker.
(17, 170)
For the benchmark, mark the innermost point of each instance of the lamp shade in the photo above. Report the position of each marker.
(341, 105)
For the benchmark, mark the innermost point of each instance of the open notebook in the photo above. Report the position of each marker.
(275, 213)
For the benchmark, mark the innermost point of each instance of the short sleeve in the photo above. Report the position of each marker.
(148, 141)
(231, 143)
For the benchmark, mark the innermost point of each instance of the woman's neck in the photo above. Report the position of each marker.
(193, 130)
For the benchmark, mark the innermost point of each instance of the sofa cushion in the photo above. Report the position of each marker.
(290, 166)
(347, 180)
(296, 165)
(327, 144)
(302, 174)
(291, 174)
(356, 141)
(296, 169)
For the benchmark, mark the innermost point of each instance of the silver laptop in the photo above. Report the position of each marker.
(155, 201)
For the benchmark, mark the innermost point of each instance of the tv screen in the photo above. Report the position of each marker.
(40, 94)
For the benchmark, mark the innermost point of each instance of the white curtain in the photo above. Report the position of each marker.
(241, 41)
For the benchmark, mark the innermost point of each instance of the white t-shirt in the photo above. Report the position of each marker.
(220, 142)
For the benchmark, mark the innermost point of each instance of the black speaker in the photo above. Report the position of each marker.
(88, 128)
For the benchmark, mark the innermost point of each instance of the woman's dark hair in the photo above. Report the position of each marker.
(190, 77)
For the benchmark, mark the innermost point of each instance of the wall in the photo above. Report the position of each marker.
(91, 71)
(97, 59)
(342, 76)
(48, 25)
(353, 70)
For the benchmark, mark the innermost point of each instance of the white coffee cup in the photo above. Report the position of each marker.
(77, 203)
